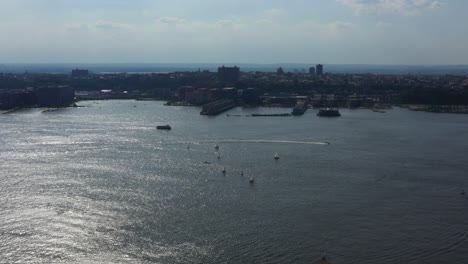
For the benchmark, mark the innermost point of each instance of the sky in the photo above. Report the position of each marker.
(237, 31)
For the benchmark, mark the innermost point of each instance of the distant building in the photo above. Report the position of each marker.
(79, 73)
(319, 69)
(55, 96)
(228, 74)
(312, 71)
(280, 71)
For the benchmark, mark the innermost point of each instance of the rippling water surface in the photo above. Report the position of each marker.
(99, 184)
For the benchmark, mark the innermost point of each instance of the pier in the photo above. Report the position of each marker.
(218, 107)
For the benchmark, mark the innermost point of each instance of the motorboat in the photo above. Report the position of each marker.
(165, 127)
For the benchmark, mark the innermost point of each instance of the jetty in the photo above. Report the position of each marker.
(260, 115)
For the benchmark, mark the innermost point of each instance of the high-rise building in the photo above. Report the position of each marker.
(312, 70)
(319, 69)
(228, 74)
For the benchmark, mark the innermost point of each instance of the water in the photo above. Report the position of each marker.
(99, 184)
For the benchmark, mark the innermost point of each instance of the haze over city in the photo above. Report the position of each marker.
(243, 31)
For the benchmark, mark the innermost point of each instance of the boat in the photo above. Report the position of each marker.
(219, 155)
(224, 170)
(188, 146)
(462, 192)
(329, 112)
(216, 147)
(242, 173)
(378, 111)
(166, 127)
(276, 157)
(251, 180)
(300, 108)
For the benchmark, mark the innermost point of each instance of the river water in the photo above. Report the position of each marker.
(99, 184)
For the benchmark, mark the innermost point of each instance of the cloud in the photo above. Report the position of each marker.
(170, 20)
(340, 25)
(381, 24)
(109, 25)
(275, 12)
(181, 25)
(323, 30)
(76, 27)
(392, 7)
(225, 23)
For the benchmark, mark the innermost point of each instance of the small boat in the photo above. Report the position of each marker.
(206, 162)
(216, 147)
(252, 180)
(276, 157)
(224, 170)
(462, 192)
(166, 127)
(188, 146)
(242, 173)
(219, 156)
(329, 112)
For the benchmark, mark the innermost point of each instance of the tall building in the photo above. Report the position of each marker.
(319, 69)
(312, 70)
(228, 74)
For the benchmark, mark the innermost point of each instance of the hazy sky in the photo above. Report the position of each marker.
(242, 31)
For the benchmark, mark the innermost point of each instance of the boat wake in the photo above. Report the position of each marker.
(261, 141)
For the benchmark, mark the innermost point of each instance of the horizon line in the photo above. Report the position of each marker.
(223, 63)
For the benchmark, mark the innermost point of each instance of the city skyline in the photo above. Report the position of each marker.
(208, 31)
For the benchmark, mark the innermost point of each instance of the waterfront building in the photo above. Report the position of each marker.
(228, 74)
(319, 70)
(55, 96)
(12, 98)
